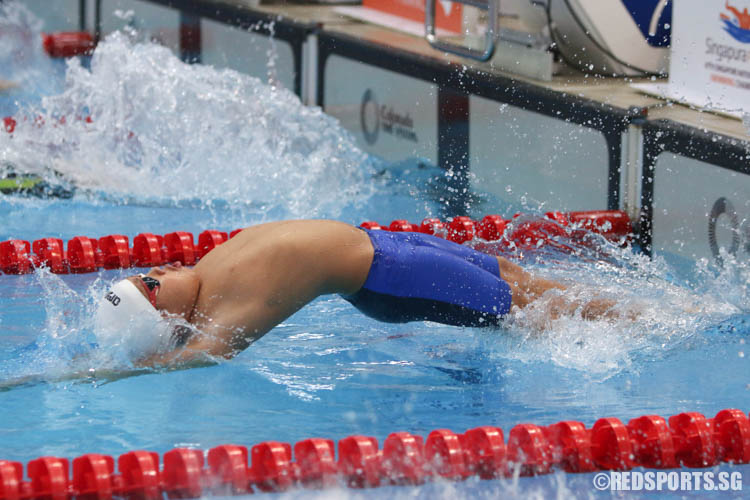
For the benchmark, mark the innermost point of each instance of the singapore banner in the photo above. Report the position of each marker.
(709, 55)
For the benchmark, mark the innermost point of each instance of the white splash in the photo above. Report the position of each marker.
(162, 129)
(653, 313)
(66, 348)
(23, 62)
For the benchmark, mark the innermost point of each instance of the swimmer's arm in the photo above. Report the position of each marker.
(198, 351)
(227, 333)
(201, 350)
(206, 346)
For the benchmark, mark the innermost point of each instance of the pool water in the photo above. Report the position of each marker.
(174, 147)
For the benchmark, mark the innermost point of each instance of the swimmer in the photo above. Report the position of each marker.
(243, 288)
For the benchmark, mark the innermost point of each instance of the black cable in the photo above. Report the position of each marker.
(81, 15)
(596, 43)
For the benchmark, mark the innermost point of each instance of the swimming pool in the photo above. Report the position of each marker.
(175, 147)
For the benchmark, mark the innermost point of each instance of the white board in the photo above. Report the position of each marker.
(522, 155)
(266, 58)
(710, 55)
(699, 208)
(160, 24)
(392, 115)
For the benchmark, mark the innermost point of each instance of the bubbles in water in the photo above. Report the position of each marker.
(66, 348)
(651, 312)
(64, 338)
(728, 283)
(141, 123)
(163, 130)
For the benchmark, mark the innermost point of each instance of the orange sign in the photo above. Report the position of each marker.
(447, 14)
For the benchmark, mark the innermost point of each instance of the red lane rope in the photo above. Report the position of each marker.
(650, 441)
(523, 231)
(68, 43)
(84, 254)
(9, 123)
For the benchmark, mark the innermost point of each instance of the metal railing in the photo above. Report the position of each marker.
(492, 8)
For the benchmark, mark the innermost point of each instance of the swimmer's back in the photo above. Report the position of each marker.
(267, 272)
(327, 251)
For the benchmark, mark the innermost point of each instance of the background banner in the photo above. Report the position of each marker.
(710, 54)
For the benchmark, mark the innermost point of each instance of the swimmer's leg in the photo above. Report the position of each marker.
(413, 282)
(527, 288)
(485, 261)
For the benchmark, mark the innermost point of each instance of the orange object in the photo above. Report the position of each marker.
(448, 15)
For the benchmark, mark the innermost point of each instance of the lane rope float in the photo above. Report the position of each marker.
(66, 44)
(684, 440)
(83, 254)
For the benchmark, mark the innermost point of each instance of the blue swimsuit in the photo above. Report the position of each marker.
(418, 277)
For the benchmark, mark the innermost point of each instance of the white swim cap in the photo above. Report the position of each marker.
(126, 319)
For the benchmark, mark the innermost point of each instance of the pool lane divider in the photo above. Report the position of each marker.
(684, 440)
(492, 234)
(65, 44)
(9, 123)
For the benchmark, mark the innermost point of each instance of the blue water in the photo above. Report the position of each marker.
(174, 147)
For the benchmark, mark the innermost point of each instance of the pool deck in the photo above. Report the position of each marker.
(615, 92)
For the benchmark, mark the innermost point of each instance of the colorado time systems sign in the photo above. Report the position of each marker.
(375, 118)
